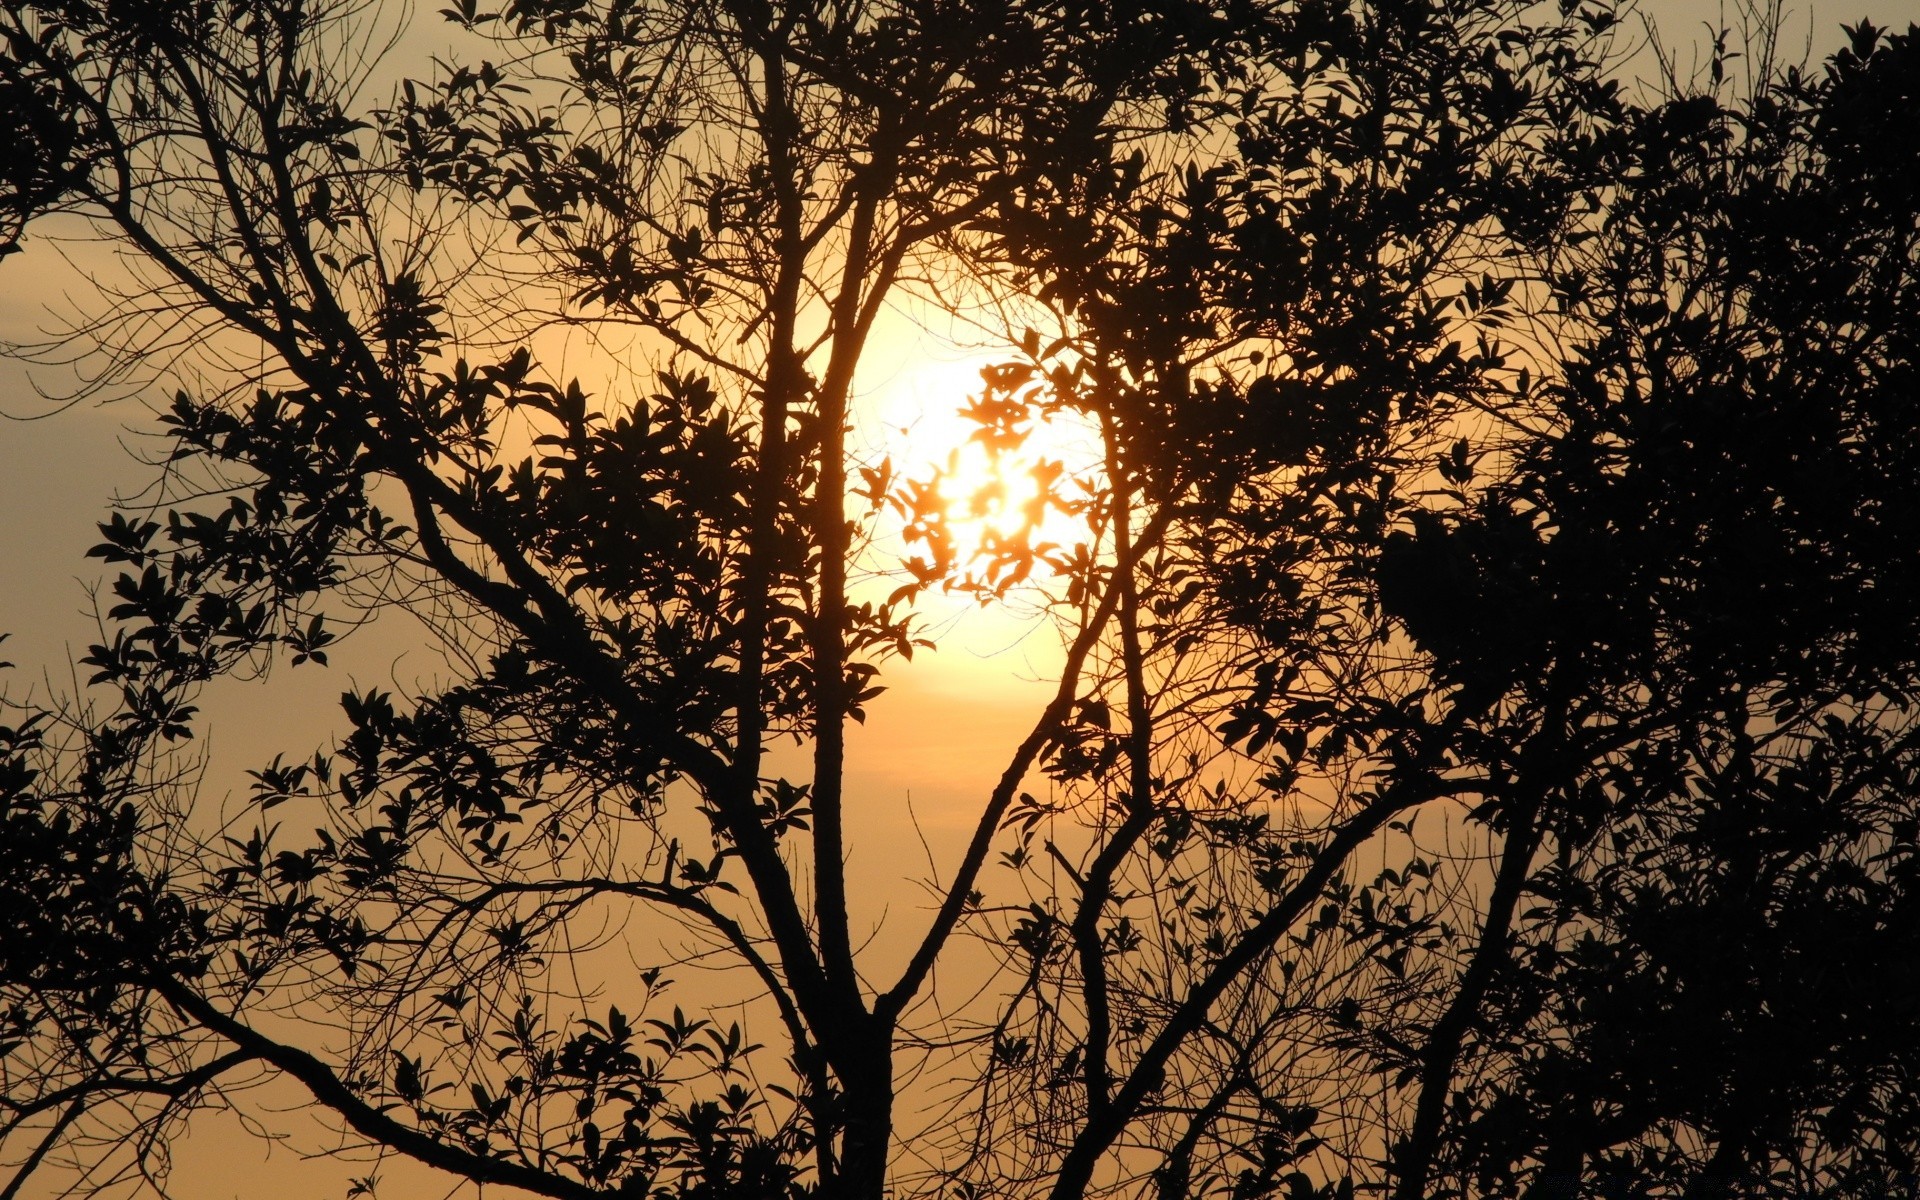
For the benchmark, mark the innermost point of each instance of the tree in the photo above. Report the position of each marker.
(1709, 995)
(1356, 302)
(1658, 627)
(1665, 641)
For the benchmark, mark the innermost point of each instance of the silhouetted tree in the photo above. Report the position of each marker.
(1482, 741)
(634, 609)
(1278, 344)
(1710, 987)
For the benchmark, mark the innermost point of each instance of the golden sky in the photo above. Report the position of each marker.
(919, 767)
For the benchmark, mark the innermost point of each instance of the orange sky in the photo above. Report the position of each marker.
(921, 765)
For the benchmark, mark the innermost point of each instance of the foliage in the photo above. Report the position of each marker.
(1719, 947)
(1482, 758)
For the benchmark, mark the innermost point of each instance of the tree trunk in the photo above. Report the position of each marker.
(868, 1135)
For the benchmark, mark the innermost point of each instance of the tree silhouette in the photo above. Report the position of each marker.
(1712, 982)
(1481, 760)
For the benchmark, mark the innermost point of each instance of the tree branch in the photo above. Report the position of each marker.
(331, 1091)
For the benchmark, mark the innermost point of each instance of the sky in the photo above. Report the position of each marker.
(919, 766)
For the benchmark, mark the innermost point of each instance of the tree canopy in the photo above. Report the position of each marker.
(1481, 761)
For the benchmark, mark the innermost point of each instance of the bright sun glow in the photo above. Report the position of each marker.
(990, 496)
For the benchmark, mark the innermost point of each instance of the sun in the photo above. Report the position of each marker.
(1003, 496)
